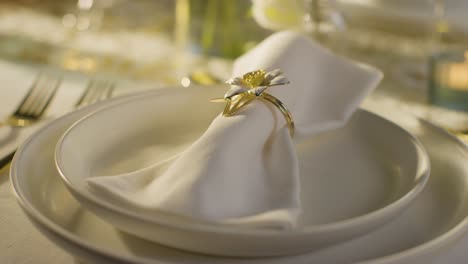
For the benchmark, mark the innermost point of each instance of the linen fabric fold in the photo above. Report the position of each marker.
(244, 169)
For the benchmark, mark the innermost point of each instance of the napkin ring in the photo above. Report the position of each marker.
(251, 86)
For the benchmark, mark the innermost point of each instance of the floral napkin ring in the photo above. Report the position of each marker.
(251, 86)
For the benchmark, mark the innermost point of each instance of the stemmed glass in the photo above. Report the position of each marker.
(84, 16)
(324, 22)
(441, 25)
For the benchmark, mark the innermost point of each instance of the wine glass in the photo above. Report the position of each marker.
(440, 26)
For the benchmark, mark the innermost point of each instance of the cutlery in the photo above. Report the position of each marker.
(33, 106)
(6, 160)
(35, 102)
(95, 91)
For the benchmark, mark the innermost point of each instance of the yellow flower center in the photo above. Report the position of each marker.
(254, 78)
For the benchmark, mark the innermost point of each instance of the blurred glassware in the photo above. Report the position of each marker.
(121, 38)
(441, 25)
(320, 18)
(400, 37)
(404, 28)
(87, 15)
(448, 86)
(222, 28)
(393, 35)
(209, 34)
(323, 20)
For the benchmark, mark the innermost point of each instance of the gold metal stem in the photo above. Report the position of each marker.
(284, 110)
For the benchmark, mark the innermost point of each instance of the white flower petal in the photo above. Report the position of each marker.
(235, 81)
(279, 80)
(271, 75)
(259, 90)
(235, 90)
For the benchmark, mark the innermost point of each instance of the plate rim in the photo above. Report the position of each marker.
(452, 235)
(400, 204)
(75, 240)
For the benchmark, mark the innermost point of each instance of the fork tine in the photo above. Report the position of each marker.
(99, 87)
(39, 97)
(110, 91)
(91, 93)
(95, 91)
(50, 91)
(107, 90)
(42, 108)
(84, 97)
(27, 99)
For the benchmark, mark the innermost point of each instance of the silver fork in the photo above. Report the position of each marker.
(95, 91)
(35, 102)
(33, 106)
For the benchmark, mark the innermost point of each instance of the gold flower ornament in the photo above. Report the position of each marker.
(251, 86)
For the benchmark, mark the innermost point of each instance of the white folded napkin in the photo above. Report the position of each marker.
(244, 169)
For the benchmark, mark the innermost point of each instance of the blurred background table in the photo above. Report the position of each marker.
(164, 41)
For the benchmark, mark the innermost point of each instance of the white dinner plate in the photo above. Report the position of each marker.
(437, 218)
(353, 180)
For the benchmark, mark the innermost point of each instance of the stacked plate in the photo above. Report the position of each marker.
(364, 188)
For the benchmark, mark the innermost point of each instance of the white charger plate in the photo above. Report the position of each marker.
(437, 218)
(353, 180)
